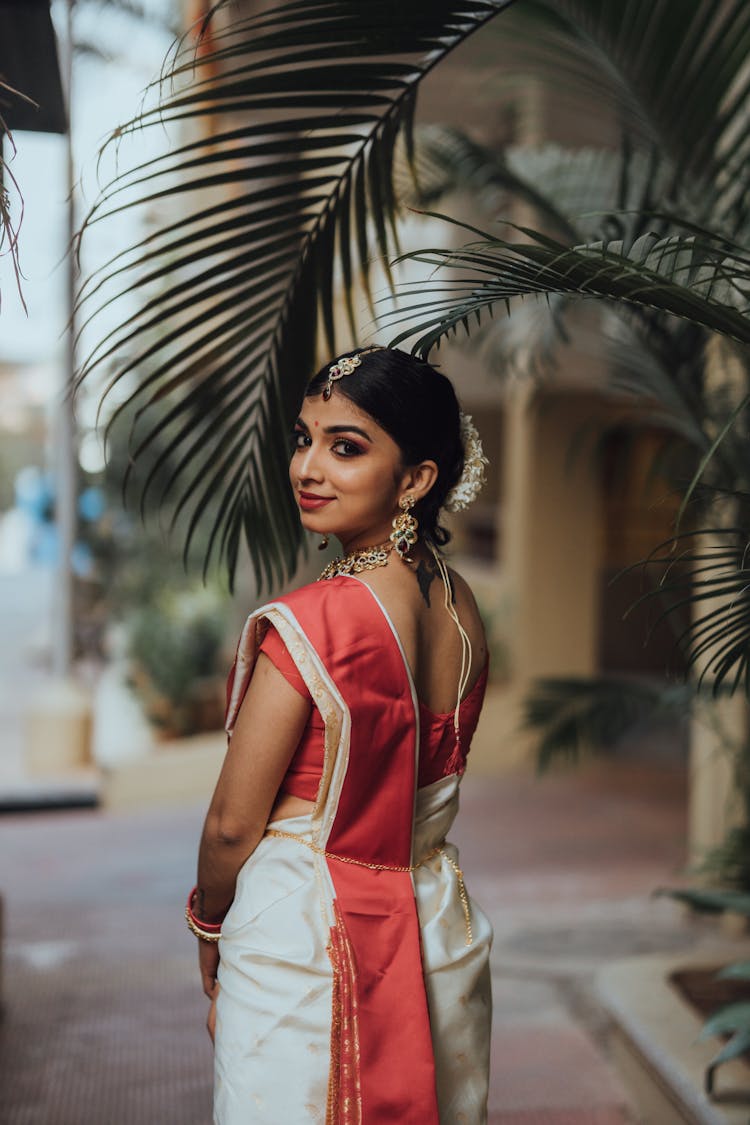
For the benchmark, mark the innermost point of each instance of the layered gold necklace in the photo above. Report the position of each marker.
(368, 558)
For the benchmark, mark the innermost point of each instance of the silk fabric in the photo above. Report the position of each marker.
(349, 990)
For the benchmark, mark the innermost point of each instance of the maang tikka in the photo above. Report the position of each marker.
(404, 534)
(345, 366)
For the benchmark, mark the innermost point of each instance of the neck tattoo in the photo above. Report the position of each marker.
(426, 573)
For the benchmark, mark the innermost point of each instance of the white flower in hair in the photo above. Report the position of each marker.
(473, 476)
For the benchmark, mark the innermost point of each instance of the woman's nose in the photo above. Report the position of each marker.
(309, 465)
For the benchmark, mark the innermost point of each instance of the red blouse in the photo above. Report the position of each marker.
(439, 755)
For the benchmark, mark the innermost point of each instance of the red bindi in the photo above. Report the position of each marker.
(317, 423)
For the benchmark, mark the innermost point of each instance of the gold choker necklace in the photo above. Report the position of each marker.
(368, 558)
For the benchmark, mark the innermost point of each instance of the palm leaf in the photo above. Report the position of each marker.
(578, 714)
(710, 901)
(574, 192)
(221, 305)
(738, 1045)
(708, 570)
(739, 970)
(450, 160)
(698, 277)
(674, 74)
(10, 225)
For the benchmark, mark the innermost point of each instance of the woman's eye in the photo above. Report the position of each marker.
(346, 448)
(299, 439)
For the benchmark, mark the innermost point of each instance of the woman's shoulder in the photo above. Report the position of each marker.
(325, 609)
(463, 592)
(320, 593)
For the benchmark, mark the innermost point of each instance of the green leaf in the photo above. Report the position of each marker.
(699, 280)
(711, 902)
(578, 714)
(732, 1017)
(294, 116)
(740, 970)
(710, 565)
(737, 1045)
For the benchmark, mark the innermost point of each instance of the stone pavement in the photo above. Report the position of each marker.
(103, 1013)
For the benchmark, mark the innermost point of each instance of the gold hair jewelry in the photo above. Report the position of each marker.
(345, 366)
(323, 543)
(368, 558)
(404, 534)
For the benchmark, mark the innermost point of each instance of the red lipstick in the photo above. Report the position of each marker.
(309, 502)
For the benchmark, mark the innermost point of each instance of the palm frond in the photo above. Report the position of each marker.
(450, 160)
(673, 74)
(710, 901)
(579, 194)
(295, 114)
(708, 571)
(10, 223)
(576, 715)
(696, 276)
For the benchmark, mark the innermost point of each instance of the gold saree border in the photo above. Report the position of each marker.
(344, 1104)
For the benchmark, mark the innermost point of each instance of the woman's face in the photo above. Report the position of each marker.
(346, 472)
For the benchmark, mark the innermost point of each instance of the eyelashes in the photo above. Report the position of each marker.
(349, 448)
(340, 447)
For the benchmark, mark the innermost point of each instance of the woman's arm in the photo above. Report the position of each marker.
(267, 731)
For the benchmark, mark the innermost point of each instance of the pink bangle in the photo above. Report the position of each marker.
(207, 929)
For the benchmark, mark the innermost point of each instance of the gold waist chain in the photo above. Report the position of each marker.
(440, 849)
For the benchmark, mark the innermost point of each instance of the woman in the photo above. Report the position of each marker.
(350, 983)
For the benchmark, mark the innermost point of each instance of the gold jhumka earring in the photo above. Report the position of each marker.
(404, 534)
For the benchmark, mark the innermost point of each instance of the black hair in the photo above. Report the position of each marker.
(416, 405)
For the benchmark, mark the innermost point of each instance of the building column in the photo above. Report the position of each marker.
(553, 519)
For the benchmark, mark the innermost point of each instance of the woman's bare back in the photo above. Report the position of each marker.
(414, 598)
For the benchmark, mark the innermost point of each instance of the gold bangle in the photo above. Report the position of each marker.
(203, 935)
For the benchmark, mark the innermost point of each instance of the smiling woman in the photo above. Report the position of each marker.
(348, 479)
(337, 940)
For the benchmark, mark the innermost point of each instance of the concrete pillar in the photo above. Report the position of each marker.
(553, 516)
(720, 732)
(58, 729)
(717, 737)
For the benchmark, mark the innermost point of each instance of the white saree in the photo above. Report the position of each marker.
(306, 1029)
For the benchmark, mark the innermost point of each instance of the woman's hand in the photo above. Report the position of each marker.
(208, 960)
(211, 1018)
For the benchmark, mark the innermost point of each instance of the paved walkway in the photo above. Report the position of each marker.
(103, 1014)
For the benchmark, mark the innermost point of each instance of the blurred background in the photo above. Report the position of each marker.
(602, 770)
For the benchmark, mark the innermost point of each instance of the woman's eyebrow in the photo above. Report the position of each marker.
(348, 430)
(301, 425)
